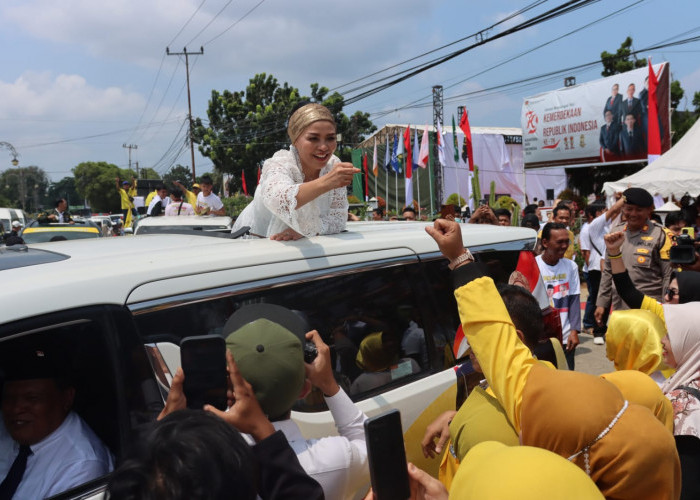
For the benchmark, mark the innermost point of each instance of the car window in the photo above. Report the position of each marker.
(104, 360)
(380, 325)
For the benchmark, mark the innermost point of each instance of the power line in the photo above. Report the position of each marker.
(250, 11)
(209, 23)
(428, 97)
(507, 18)
(567, 7)
(186, 23)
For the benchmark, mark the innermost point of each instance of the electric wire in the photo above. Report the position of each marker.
(209, 23)
(250, 11)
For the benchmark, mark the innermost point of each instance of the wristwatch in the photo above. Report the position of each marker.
(466, 256)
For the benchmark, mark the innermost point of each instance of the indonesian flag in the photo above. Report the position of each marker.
(440, 144)
(245, 189)
(530, 277)
(424, 153)
(409, 166)
(364, 165)
(653, 134)
(460, 345)
(464, 125)
(375, 164)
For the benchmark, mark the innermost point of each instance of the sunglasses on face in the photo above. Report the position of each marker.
(671, 292)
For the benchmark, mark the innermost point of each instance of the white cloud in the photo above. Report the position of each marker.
(64, 97)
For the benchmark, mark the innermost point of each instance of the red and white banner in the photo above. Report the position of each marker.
(605, 121)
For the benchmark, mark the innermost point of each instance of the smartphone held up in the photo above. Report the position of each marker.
(203, 359)
(387, 457)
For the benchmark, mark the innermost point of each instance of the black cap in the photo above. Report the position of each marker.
(639, 197)
(41, 360)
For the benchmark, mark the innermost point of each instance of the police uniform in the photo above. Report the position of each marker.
(646, 257)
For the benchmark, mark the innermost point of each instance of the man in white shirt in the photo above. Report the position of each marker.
(268, 343)
(45, 448)
(560, 276)
(593, 248)
(207, 202)
(159, 202)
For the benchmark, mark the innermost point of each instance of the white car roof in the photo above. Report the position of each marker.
(138, 269)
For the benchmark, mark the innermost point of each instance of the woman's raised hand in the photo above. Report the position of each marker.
(341, 175)
(614, 241)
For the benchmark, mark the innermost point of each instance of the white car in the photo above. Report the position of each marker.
(124, 321)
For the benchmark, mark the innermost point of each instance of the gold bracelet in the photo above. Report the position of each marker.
(618, 256)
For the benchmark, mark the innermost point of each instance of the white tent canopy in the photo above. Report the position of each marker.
(676, 172)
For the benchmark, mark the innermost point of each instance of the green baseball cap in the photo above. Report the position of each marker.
(267, 343)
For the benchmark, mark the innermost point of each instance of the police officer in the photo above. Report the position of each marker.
(645, 253)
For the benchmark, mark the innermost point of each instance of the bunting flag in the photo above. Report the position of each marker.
(364, 165)
(375, 163)
(387, 155)
(245, 188)
(395, 155)
(424, 153)
(653, 133)
(441, 144)
(464, 125)
(454, 138)
(408, 191)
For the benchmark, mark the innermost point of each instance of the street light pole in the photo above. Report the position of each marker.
(15, 162)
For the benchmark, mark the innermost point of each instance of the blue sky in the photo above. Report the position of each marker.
(79, 78)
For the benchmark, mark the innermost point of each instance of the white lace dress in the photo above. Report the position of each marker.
(274, 207)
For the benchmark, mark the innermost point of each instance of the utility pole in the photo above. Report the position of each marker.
(189, 100)
(130, 147)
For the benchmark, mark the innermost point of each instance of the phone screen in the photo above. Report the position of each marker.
(387, 457)
(203, 360)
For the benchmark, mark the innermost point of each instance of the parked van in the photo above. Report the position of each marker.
(124, 321)
(8, 215)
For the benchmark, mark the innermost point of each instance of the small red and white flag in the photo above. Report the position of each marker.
(527, 267)
(424, 152)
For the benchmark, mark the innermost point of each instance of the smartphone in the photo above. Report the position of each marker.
(203, 359)
(387, 457)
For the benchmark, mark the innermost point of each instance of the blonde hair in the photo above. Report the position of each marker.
(305, 116)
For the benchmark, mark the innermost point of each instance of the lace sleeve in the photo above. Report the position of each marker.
(280, 183)
(334, 222)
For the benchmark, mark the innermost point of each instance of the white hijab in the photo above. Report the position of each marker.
(683, 327)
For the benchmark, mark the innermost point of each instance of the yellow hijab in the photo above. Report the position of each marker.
(494, 471)
(373, 355)
(633, 341)
(567, 412)
(637, 387)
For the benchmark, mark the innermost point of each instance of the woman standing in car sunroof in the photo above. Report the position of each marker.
(302, 190)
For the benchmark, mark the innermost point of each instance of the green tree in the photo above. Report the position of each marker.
(94, 181)
(178, 173)
(24, 187)
(696, 102)
(622, 60)
(246, 127)
(65, 188)
(149, 173)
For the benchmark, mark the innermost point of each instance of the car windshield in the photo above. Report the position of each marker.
(44, 236)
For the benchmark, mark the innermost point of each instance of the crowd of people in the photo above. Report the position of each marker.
(534, 427)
